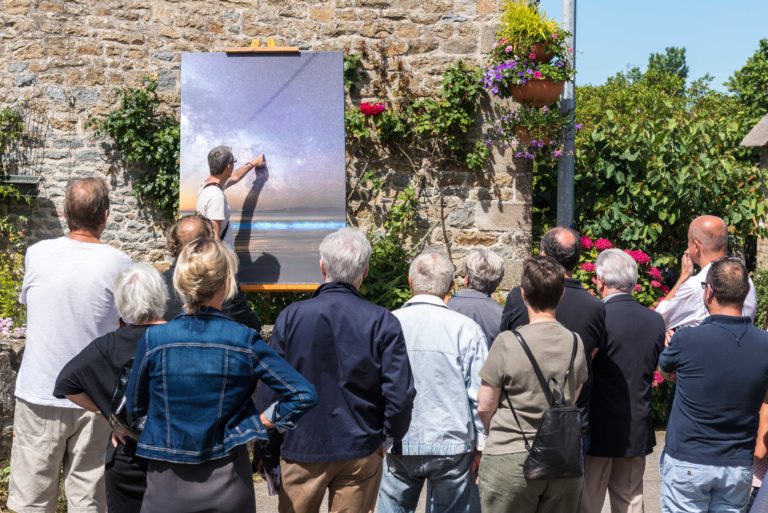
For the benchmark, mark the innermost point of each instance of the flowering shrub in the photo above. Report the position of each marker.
(7, 327)
(518, 70)
(650, 286)
(661, 399)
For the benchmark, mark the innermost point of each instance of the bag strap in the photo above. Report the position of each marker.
(542, 381)
(223, 233)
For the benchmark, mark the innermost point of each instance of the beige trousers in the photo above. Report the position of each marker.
(47, 438)
(353, 485)
(621, 477)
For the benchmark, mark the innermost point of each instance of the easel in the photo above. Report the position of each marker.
(271, 48)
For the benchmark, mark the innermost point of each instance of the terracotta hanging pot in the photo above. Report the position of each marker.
(523, 136)
(541, 52)
(539, 93)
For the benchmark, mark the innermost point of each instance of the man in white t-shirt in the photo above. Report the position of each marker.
(684, 304)
(211, 200)
(68, 292)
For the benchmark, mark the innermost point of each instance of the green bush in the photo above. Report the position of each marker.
(760, 279)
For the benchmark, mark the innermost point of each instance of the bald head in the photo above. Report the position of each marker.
(707, 239)
(187, 229)
(563, 245)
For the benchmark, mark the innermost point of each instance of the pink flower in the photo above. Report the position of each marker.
(588, 267)
(532, 56)
(664, 289)
(638, 287)
(570, 49)
(554, 36)
(655, 284)
(639, 256)
(658, 379)
(509, 49)
(586, 242)
(603, 244)
(654, 273)
(537, 74)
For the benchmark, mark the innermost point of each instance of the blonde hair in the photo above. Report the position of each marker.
(204, 266)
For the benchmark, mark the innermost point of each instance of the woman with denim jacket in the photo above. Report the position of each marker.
(194, 379)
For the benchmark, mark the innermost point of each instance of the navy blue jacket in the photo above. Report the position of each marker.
(354, 353)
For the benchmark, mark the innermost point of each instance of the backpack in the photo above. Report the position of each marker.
(556, 451)
(122, 423)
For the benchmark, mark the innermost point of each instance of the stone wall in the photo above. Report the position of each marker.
(66, 57)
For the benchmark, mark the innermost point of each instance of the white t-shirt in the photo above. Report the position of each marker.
(212, 203)
(68, 290)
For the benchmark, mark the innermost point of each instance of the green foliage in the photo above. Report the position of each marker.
(351, 70)
(654, 153)
(522, 24)
(671, 62)
(661, 402)
(538, 131)
(387, 281)
(11, 129)
(268, 305)
(749, 85)
(439, 125)
(12, 247)
(760, 279)
(149, 141)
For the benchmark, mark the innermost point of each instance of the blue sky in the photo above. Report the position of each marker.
(614, 35)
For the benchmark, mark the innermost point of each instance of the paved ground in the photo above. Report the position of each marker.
(266, 504)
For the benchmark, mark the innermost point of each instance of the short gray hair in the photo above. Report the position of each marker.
(219, 158)
(345, 254)
(617, 269)
(485, 270)
(140, 294)
(431, 273)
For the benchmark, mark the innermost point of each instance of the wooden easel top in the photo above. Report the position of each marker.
(263, 49)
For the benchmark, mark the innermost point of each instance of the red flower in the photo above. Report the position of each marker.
(655, 284)
(639, 256)
(532, 56)
(638, 287)
(603, 244)
(586, 242)
(588, 267)
(372, 109)
(658, 379)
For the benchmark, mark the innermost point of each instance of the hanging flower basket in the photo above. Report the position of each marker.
(539, 93)
(541, 52)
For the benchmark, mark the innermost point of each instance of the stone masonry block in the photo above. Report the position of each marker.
(502, 216)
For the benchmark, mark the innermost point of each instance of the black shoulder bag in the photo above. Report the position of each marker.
(556, 449)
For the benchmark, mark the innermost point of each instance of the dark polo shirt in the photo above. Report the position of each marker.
(620, 404)
(722, 377)
(481, 308)
(578, 311)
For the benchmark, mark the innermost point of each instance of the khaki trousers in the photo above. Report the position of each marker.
(621, 477)
(352, 485)
(45, 438)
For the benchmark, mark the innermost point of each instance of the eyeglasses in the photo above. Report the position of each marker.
(232, 161)
(704, 285)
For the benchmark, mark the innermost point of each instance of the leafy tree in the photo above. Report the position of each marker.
(749, 85)
(654, 153)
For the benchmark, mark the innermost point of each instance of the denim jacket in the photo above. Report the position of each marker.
(194, 379)
(446, 350)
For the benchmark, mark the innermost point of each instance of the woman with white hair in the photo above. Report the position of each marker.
(90, 378)
(194, 379)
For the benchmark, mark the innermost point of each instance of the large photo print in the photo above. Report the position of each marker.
(289, 109)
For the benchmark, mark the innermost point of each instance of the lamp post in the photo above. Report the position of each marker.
(565, 166)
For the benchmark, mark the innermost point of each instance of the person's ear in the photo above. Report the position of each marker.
(322, 269)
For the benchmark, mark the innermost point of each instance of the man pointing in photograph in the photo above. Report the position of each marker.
(211, 200)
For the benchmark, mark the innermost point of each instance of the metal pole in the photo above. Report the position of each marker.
(565, 193)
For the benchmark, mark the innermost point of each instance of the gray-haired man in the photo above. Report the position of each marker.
(446, 350)
(483, 271)
(211, 200)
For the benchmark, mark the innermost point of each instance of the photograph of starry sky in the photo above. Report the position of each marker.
(291, 108)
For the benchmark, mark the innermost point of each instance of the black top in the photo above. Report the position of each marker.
(96, 369)
(722, 376)
(578, 311)
(620, 405)
(236, 309)
(354, 353)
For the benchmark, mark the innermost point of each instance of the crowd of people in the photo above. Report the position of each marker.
(143, 390)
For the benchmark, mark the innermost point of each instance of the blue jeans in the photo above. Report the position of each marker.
(404, 477)
(692, 487)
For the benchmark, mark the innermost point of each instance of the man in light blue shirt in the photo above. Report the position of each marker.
(446, 351)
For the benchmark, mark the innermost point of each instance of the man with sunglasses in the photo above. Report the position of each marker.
(684, 304)
(211, 200)
(722, 377)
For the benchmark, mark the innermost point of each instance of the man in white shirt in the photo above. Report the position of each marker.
(211, 200)
(67, 288)
(684, 304)
(446, 350)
